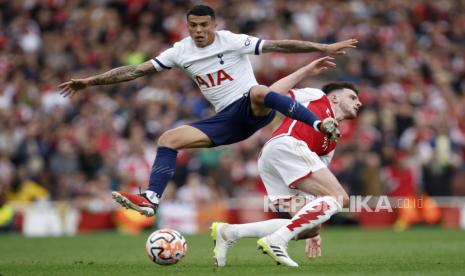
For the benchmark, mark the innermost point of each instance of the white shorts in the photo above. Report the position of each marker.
(283, 162)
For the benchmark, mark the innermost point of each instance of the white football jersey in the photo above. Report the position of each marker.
(222, 70)
(307, 94)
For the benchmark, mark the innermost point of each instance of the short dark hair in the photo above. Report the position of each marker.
(333, 86)
(201, 10)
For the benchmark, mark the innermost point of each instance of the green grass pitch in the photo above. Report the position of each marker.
(419, 251)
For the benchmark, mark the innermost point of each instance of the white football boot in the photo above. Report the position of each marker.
(276, 250)
(221, 243)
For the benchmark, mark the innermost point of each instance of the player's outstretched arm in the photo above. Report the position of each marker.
(120, 74)
(314, 68)
(298, 46)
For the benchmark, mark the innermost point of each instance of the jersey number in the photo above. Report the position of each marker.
(212, 80)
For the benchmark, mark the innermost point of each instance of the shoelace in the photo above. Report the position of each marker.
(230, 243)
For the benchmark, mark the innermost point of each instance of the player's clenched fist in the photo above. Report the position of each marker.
(329, 128)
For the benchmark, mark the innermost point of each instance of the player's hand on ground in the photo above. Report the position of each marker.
(329, 128)
(338, 48)
(320, 65)
(70, 87)
(313, 247)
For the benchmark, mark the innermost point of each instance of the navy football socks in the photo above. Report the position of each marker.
(162, 172)
(291, 108)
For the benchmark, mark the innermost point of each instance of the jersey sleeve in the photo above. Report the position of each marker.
(166, 60)
(246, 44)
(326, 159)
(303, 95)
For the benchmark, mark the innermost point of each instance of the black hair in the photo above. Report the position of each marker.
(201, 10)
(333, 86)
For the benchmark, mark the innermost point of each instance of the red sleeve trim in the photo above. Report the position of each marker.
(291, 185)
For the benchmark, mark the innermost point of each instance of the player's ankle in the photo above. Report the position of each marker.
(230, 232)
(275, 238)
(152, 197)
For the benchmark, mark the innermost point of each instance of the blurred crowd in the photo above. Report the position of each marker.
(409, 66)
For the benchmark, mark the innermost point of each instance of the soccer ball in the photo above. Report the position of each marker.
(166, 247)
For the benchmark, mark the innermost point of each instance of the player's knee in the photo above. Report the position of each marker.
(341, 197)
(258, 93)
(168, 140)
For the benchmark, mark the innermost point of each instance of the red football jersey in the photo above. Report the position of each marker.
(316, 101)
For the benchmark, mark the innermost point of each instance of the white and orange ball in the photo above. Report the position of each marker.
(166, 247)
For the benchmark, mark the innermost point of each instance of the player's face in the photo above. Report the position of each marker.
(349, 103)
(201, 29)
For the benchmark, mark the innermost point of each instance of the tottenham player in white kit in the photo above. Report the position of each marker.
(218, 62)
(293, 163)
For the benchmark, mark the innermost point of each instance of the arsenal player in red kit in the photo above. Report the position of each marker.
(294, 163)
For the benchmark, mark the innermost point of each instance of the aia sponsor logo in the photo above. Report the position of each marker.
(213, 79)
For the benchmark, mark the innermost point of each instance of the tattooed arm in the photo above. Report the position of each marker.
(120, 74)
(298, 46)
(123, 73)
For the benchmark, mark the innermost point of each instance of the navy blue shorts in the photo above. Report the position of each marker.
(234, 123)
